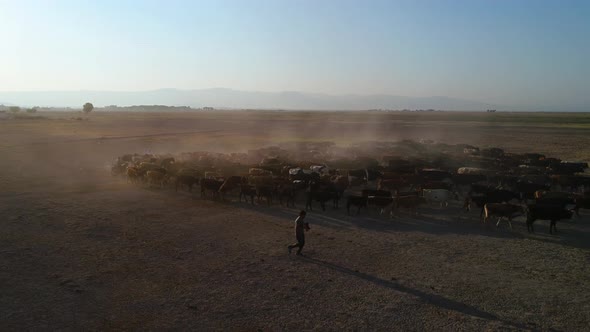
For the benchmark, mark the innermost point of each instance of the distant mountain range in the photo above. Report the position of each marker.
(228, 98)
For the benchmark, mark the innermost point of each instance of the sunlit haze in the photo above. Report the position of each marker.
(523, 54)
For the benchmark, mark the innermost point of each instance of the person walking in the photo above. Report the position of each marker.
(300, 228)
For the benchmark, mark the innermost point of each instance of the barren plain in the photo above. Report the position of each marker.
(83, 250)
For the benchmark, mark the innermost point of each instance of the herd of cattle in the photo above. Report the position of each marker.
(499, 184)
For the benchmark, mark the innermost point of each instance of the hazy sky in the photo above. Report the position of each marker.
(511, 52)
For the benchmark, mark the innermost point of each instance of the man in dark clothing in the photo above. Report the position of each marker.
(300, 228)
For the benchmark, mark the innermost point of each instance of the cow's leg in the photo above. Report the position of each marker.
(552, 227)
(466, 205)
(498, 223)
(510, 222)
(530, 228)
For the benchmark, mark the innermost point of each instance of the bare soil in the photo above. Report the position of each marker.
(80, 249)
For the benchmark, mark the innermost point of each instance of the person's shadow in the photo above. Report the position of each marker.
(434, 299)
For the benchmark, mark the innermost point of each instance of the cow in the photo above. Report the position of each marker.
(230, 184)
(409, 202)
(566, 197)
(339, 184)
(247, 190)
(264, 191)
(568, 201)
(185, 180)
(493, 196)
(355, 200)
(362, 174)
(286, 191)
(437, 185)
(467, 179)
(502, 210)
(527, 190)
(133, 174)
(380, 193)
(119, 168)
(482, 188)
(210, 185)
(393, 185)
(553, 213)
(582, 202)
(167, 162)
(259, 172)
(321, 196)
(381, 202)
(569, 168)
(441, 196)
(144, 167)
(429, 174)
(156, 177)
(321, 192)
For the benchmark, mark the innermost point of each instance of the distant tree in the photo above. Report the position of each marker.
(88, 107)
(14, 109)
(32, 109)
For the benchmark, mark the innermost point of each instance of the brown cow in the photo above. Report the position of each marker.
(133, 175)
(156, 178)
(409, 202)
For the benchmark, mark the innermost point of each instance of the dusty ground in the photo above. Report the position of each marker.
(80, 249)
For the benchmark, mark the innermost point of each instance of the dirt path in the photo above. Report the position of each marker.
(118, 256)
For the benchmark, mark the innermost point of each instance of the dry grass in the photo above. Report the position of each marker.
(82, 250)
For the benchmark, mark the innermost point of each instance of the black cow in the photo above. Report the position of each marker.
(527, 189)
(553, 213)
(381, 203)
(210, 185)
(322, 197)
(265, 192)
(355, 200)
(186, 180)
(582, 202)
(287, 192)
(246, 191)
(379, 193)
(467, 179)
